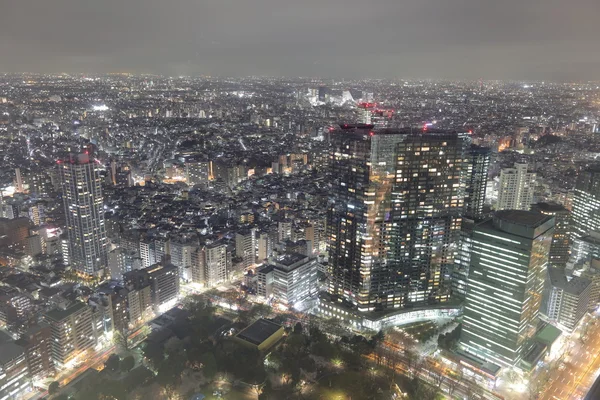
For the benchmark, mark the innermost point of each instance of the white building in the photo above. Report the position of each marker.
(565, 299)
(216, 264)
(516, 188)
(120, 261)
(84, 212)
(245, 246)
(290, 279)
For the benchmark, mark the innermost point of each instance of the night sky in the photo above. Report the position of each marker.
(490, 39)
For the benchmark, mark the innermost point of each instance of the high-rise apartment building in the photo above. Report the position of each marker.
(72, 331)
(84, 212)
(245, 246)
(560, 249)
(163, 280)
(586, 203)
(284, 230)
(217, 263)
(516, 189)
(509, 257)
(395, 213)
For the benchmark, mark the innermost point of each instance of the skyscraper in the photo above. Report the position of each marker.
(516, 188)
(397, 198)
(561, 239)
(509, 256)
(84, 212)
(427, 208)
(586, 202)
(477, 177)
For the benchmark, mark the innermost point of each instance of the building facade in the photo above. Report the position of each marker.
(516, 189)
(509, 257)
(395, 212)
(586, 203)
(566, 298)
(84, 212)
(560, 250)
(72, 330)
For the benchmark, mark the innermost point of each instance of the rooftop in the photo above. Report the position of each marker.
(519, 217)
(550, 207)
(574, 285)
(9, 351)
(58, 314)
(259, 331)
(290, 260)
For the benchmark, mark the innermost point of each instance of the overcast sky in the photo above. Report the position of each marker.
(489, 39)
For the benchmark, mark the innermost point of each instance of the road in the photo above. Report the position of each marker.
(95, 361)
(580, 369)
(429, 372)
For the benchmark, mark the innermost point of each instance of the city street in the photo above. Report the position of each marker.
(581, 366)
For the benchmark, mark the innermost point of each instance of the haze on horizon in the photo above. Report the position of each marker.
(446, 39)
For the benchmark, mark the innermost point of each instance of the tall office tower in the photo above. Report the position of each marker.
(565, 298)
(516, 188)
(462, 261)
(509, 257)
(561, 240)
(478, 162)
(72, 331)
(396, 203)
(586, 202)
(477, 177)
(592, 273)
(585, 249)
(82, 196)
(245, 246)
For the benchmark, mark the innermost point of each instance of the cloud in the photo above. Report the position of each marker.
(522, 39)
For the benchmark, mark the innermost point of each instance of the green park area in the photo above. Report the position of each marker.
(203, 353)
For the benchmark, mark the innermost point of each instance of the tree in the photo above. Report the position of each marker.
(53, 387)
(127, 364)
(298, 328)
(209, 365)
(454, 382)
(121, 339)
(438, 379)
(169, 375)
(154, 353)
(377, 339)
(173, 346)
(112, 363)
(199, 307)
